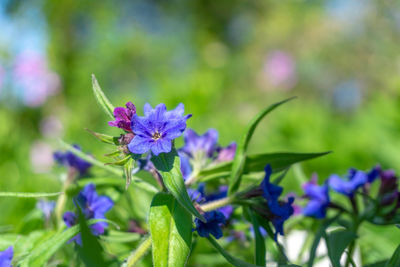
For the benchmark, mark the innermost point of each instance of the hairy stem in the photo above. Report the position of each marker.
(213, 205)
(138, 253)
(62, 199)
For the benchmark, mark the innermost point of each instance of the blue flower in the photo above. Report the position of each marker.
(6, 257)
(46, 207)
(200, 145)
(156, 130)
(93, 207)
(355, 180)
(279, 211)
(186, 168)
(319, 199)
(271, 192)
(212, 226)
(68, 159)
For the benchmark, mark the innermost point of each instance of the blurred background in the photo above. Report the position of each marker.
(225, 60)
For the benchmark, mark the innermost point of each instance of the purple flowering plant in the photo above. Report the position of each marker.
(153, 194)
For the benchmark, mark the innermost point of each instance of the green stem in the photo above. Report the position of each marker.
(62, 199)
(139, 252)
(213, 205)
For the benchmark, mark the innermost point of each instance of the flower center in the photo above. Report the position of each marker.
(156, 136)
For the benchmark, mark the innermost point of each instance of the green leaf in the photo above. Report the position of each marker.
(171, 231)
(260, 250)
(120, 237)
(395, 259)
(256, 163)
(91, 251)
(108, 139)
(44, 251)
(28, 195)
(102, 99)
(128, 167)
(337, 242)
(240, 156)
(90, 159)
(378, 264)
(168, 165)
(232, 260)
(317, 238)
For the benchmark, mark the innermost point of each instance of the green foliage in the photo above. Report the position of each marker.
(395, 259)
(101, 98)
(168, 164)
(171, 231)
(337, 241)
(241, 152)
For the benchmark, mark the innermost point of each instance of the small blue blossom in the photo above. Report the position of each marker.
(6, 257)
(46, 207)
(279, 211)
(271, 192)
(156, 129)
(93, 207)
(186, 168)
(212, 226)
(355, 180)
(319, 199)
(68, 159)
(199, 145)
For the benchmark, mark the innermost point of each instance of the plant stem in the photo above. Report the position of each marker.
(138, 253)
(62, 199)
(213, 205)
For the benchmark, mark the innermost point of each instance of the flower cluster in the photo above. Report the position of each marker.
(279, 211)
(319, 199)
(92, 207)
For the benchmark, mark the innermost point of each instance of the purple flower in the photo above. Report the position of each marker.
(93, 207)
(319, 199)
(6, 257)
(212, 226)
(69, 159)
(123, 117)
(355, 180)
(226, 153)
(46, 207)
(199, 145)
(156, 130)
(388, 190)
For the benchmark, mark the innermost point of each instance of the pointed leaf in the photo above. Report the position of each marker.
(168, 165)
(395, 259)
(256, 162)
(171, 231)
(240, 156)
(44, 251)
(260, 252)
(337, 242)
(108, 139)
(102, 99)
(232, 260)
